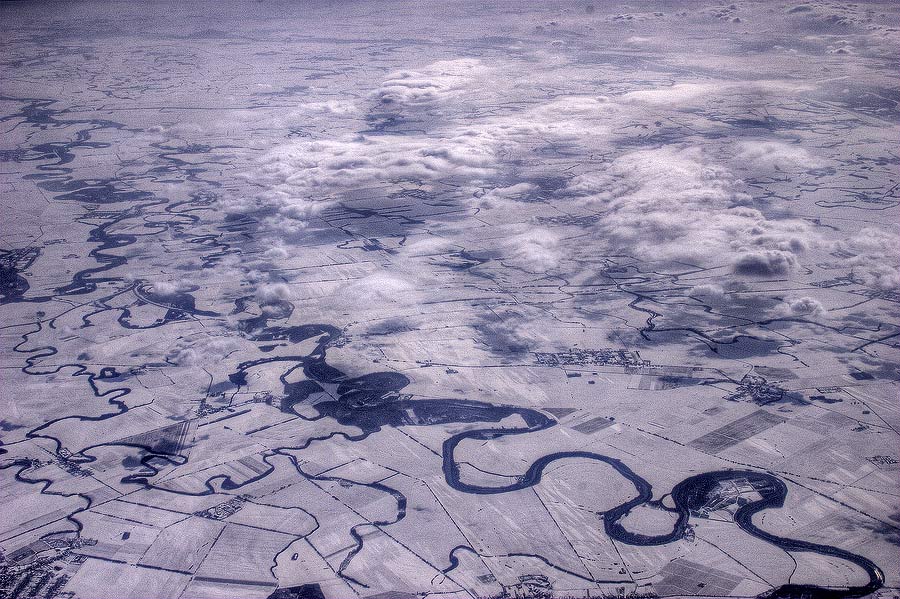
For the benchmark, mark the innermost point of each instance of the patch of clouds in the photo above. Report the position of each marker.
(429, 246)
(169, 288)
(666, 203)
(689, 94)
(277, 252)
(393, 291)
(775, 155)
(874, 257)
(332, 107)
(841, 47)
(238, 123)
(804, 307)
(378, 287)
(301, 179)
(831, 17)
(519, 190)
(565, 118)
(569, 107)
(675, 203)
(708, 292)
(535, 249)
(884, 277)
(272, 293)
(504, 197)
(435, 83)
(765, 263)
(201, 351)
(680, 93)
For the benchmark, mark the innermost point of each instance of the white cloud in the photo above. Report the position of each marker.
(272, 293)
(680, 93)
(438, 82)
(567, 118)
(168, 288)
(765, 263)
(775, 155)
(333, 107)
(804, 306)
(377, 292)
(685, 94)
(708, 292)
(302, 178)
(201, 350)
(429, 246)
(504, 197)
(276, 252)
(535, 249)
(668, 203)
(874, 256)
(676, 204)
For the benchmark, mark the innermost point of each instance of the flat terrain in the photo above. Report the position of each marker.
(328, 300)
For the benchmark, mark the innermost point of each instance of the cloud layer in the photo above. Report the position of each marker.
(667, 195)
(674, 203)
